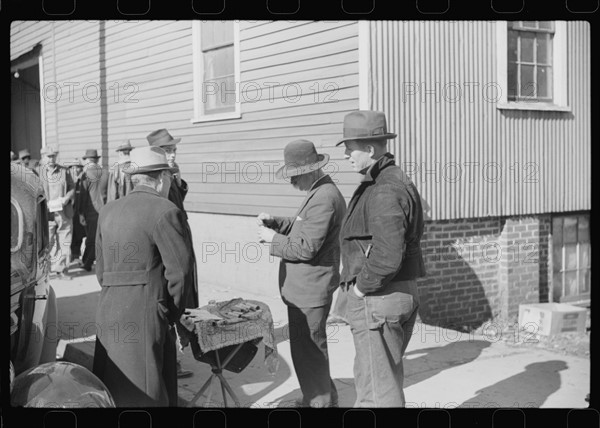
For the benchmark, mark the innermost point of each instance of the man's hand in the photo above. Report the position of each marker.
(265, 219)
(65, 200)
(265, 234)
(357, 291)
(82, 220)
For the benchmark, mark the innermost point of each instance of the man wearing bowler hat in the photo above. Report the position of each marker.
(308, 245)
(381, 259)
(94, 187)
(119, 182)
(144, 257)
(177, 192)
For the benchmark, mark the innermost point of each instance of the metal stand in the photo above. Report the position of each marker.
(217, 371)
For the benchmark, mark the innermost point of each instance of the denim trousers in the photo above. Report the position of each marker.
(381, 325)
(308, 343)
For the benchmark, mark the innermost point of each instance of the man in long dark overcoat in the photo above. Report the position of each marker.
(309, 248)
(144, 257)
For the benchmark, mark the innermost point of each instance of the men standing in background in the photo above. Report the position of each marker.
(60, 191)
(381, 259)
(143, 260)
(309, 248)
(177, 192)
(119, 182)
(94, 186)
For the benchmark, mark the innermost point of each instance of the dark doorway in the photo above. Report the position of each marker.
(25, 109)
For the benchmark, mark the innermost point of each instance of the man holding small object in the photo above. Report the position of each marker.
(381, 259)
(60, 192)
(308, 246)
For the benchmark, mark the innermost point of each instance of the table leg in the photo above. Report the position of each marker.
(199, 393)
(226, 385)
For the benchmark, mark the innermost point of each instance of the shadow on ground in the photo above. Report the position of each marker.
(529, 388)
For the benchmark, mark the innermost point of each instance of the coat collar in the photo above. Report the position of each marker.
(321, 181)
(145, 189)
(374, 170)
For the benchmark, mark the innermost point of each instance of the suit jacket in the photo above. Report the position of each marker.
(143, 257)
(309, 247)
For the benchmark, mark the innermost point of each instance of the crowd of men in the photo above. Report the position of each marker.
(147, 267)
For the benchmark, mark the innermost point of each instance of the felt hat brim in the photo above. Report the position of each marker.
(287, 171)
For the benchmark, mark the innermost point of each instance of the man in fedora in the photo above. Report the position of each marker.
(381, 259)
(308, 245)
(119, 182)
(60, 190)
(144, 257)
(94, 187)
(177, 192)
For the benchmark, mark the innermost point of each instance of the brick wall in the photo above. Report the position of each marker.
(481, 269)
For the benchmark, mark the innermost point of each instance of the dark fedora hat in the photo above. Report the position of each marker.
(148, 159)
(125, 145)
(300, 157)
(365, 125)
(24, 153)
(161, 137)
(90, 153)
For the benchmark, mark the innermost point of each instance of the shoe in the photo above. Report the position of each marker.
(183, 373)
(334, 319)
(75, 263)
(86, 268)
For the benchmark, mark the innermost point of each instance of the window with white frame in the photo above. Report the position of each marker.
(571, 258)
(216, 70)
(532, 65)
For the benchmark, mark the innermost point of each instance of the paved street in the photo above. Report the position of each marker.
(444, 368)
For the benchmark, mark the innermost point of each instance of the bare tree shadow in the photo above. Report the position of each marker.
(529, 388)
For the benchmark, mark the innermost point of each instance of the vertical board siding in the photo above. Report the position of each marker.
(543, 157)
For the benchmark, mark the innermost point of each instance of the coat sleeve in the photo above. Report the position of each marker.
(306, 239)
(387, 224)
(169, 235)
(282, 224)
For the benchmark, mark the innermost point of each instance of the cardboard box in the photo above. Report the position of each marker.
(549, 319)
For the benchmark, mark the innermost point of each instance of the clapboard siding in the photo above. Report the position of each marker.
(542, 156)
(155, 59)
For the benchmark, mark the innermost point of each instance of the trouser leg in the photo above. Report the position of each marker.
(89, 254)
(308, 343)
(381, 326)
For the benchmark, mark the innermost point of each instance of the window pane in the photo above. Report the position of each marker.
(584, 256)
(570, 257)
(218, 63)
(557, 287)
(527, 81)
(586, 277)
(548, 25)
(513, 41)
(527, 41)
(544, 77)
(224, 98)
(216, 33)
(512, 81)
(557, 231)
(557, 258)
(571, 286)
(570, 230)
(543, 49)
(584, 229)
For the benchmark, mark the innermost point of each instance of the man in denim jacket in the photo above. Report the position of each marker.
(381, 259)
